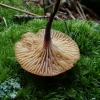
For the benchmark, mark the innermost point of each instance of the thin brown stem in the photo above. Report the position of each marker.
(81, 9)
(78, 10)
(23, 11)
(47, 38)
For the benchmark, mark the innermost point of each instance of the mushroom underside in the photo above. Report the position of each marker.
(35, 58)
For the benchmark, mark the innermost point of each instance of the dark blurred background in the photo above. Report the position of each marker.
(92, 4)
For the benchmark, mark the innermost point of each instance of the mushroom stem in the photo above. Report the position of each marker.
(47, 38)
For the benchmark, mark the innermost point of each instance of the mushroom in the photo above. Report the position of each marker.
(48, 52)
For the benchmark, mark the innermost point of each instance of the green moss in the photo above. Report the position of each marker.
(82, 82)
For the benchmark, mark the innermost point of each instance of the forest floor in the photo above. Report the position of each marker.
(82, 82)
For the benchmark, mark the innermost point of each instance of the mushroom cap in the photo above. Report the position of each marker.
(35, 58)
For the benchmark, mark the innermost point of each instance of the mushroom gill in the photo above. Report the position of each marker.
(34, 57)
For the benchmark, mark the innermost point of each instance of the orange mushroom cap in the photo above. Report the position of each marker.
(52, 60)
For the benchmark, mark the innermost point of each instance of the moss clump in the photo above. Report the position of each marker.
(82, 81)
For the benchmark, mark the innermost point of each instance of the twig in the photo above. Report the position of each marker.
(5, 21)
(81, 10)
(23, 11)
(50, 2)
(62, 13)
(24, 2)
(88, 17)
(31, 17)
(70, 13)
(71, 4)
